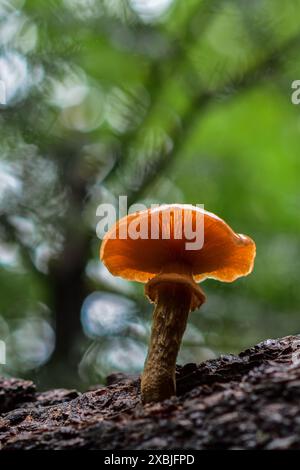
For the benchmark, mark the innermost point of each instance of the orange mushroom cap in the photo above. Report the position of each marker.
(225, 255)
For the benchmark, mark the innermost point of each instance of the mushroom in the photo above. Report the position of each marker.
(171, 272)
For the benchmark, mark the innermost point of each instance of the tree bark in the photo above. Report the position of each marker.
(249, 401)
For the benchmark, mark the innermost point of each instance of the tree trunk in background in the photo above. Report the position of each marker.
(250, 401)
(67, 279)
(68, 289)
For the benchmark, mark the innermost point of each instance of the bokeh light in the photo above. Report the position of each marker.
(105, 314)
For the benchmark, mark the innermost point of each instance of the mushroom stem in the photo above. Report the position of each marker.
(173, 303)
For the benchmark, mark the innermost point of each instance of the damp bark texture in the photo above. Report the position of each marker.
(249, 401)
(168, 326)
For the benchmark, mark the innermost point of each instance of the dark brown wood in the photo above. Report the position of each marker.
(249, 401)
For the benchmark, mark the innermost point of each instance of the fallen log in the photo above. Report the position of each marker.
(249, 401)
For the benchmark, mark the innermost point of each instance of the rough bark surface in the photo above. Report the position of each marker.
(247, 401)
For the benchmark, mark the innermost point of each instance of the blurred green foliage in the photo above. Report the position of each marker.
(164, 101)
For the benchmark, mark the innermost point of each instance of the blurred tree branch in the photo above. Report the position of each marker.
(160, 71)
(266, 68)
